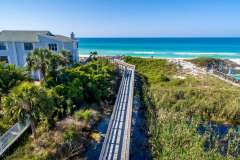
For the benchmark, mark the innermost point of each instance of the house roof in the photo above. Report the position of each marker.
(29, 36)
(58, 38)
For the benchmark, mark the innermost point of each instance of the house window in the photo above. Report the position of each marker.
(52, 47)
(28, 46)
(4, 59)
(3, 46)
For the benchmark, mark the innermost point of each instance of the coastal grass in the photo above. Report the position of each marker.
(204, 61)
(176, 106)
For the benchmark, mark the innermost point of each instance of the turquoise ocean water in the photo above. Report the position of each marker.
(162, 47)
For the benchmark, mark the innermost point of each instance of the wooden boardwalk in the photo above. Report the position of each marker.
(8, 138)
(117, 140)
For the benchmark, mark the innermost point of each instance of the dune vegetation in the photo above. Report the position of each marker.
(183, 111)
(63, 107)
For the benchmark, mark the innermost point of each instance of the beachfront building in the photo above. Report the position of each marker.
(15, 45)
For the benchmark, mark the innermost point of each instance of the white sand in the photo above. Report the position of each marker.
(83, 56)
(235, 60)
(196, 71)
(188, 66)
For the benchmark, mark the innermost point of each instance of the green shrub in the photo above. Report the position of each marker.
(164, 78)
(83, 115)
(10, 76)
(205, 61)
(89, 83)
(70, 133)
(3, 127)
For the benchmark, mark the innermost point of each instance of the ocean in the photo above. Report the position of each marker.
(228, 48)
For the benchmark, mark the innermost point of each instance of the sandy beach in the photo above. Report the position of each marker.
(235, 60)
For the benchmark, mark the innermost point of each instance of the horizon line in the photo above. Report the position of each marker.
(157, 37)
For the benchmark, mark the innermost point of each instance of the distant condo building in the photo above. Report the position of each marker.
(15, 45)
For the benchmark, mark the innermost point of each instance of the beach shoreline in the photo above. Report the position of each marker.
(236, 60)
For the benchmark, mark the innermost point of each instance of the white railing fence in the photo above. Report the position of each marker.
(8, 138)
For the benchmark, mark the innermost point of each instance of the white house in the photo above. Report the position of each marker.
(15, 45)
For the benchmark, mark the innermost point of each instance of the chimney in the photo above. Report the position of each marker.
(72, 36)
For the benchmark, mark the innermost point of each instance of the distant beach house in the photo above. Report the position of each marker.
(15, 45)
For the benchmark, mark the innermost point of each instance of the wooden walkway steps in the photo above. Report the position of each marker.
(117, 139)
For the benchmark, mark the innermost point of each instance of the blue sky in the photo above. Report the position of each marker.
(124, 18)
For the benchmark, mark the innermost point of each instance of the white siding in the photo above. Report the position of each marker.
(17, 54)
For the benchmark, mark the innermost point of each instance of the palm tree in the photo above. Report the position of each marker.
(28, 100)
(66, 57)
(39, 60)
(93, 54)
(55, 62)
(10, 76)
(47, 62)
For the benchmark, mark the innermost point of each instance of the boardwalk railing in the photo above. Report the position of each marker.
(117, 139)
(8, 138)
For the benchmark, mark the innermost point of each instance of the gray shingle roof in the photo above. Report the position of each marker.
(29, 36)
(59, 38)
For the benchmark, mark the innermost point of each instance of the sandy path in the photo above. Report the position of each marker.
(197, 71)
